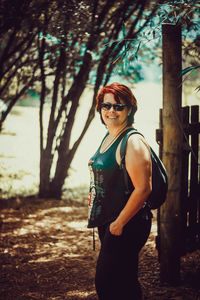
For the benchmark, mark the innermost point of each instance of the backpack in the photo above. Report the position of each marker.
(159, 176)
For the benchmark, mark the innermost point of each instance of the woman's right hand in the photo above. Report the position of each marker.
(116, 228)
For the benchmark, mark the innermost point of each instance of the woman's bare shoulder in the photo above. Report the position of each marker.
(136, 147)
(137, 142)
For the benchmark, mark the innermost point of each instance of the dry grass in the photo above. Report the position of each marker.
(46, 253)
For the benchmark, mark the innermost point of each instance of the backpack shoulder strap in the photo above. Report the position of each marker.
(124, 143)
(122, 162)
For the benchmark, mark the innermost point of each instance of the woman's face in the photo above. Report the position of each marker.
(113, 117)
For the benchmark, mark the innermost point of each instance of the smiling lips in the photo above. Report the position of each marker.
(111, 117)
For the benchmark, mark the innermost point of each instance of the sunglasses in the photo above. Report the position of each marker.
(117, 106)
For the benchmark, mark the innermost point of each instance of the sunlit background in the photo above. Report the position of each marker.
(19, 142)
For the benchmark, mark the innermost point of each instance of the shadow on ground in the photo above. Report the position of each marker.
(46, 253)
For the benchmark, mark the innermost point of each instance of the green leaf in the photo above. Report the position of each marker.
(189, 69)
(198, 89)
(124, 30)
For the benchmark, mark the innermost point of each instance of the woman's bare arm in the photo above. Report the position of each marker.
(138, 165)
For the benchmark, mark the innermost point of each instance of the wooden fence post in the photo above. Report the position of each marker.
(170, 216)
(184, 178)
(194, 195)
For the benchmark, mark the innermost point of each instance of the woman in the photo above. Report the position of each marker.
(123, 221)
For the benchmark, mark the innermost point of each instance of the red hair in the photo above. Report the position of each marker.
(120, 91)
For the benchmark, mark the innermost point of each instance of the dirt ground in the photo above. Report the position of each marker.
(46, 253)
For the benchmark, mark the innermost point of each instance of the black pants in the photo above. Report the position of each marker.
(117, 265)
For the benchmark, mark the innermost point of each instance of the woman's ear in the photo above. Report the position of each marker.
(129, 111)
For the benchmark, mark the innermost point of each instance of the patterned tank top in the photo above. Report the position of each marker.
(107, 188)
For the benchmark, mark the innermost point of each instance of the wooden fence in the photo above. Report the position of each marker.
(190, 178)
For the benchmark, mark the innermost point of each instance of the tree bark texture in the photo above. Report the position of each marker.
(170, 222)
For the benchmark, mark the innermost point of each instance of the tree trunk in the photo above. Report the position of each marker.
(65, 155)
(170, 216)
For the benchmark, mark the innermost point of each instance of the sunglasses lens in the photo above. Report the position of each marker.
(106, 106)
(119, 106)
(116, 106)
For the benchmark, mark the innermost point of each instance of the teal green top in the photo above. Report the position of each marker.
(107, 188)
